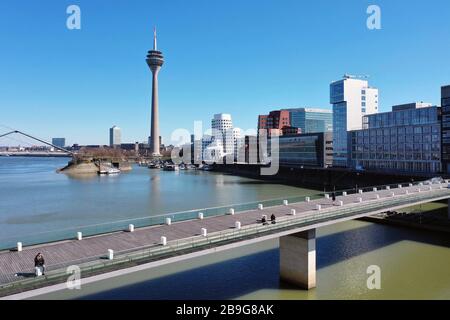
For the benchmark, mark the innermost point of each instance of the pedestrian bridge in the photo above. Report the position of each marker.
(174, 240)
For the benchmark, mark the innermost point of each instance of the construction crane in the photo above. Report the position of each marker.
(37, 139)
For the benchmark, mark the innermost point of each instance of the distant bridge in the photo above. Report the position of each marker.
(173, 242)
(37, 139)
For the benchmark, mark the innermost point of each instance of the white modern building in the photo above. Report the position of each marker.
(225, 139)
(115, 136)
(352, 98)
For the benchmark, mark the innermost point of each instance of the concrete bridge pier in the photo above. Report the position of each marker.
(448, 209)
(298, 259)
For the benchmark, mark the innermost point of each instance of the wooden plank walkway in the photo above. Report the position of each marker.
(18, 265)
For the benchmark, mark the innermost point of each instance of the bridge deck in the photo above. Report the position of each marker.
(18, 265)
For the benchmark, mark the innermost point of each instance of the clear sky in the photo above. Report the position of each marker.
(244, 57)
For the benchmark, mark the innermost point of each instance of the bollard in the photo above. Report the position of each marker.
(359, 200)
(260, 206)
(79, 236)
(377, 197)
(400, 186)
(110, 254)
(237, 225)
(421, 184)
(131, 228)
(293, 212)
(360, 191)
(392, 194)
(204, 232)
(163, 241)
(200, 215)
(285, 202)
(375, 189)
(318, 207)
(168, 221)
(407, 192)
(340, 203)
(231, 211)
(308, 199)
(327, 196)
(418, 190)
(19, 246)
(344, 193)
(388, 188)
(410, 184)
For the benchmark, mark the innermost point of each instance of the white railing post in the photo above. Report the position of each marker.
(293, 212)
(359, 200)
(237, 225)
(375, 189)
(344, 193)
(285, 202)
(19, 247)
(318, 207)
(204, 232)
(360, 191)
(231, 211)
(388, 188)
(163, 241)
(400, 186)
(79, 236)
(131, 228)
(200, 215)
(168, 221)
(260, 206)
(110, 254)
(308, 199)
(327, 196)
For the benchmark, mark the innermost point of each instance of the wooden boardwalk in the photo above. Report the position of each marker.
(18, 265)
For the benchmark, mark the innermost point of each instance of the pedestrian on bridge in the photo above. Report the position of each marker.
(39, 263)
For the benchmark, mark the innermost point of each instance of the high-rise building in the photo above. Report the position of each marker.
(408, 139)
(115, 136)
(445, 103)
(311, 120)
(352, 99)
(155, 61)
(59, 142)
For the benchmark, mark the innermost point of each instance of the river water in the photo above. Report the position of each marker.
(414, 264)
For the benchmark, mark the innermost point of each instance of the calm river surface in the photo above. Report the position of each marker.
(414, 264)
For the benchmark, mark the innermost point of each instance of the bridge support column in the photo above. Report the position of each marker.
(448, 209)
(298, 259)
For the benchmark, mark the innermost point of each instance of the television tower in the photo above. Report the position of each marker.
(155, 61)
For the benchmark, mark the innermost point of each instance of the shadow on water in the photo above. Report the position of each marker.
(241, 276)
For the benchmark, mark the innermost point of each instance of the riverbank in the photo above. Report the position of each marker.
(326, 179)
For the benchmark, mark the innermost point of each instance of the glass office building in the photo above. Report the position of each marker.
(445, 103)
(408, 139)
(352, 99)
(309, 150)
(311, 120)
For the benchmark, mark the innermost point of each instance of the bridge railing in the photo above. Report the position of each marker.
(154, 220)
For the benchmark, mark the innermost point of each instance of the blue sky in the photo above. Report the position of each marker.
(240, 57)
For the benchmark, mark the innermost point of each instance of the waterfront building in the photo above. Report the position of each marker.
(59, 142)
(445, 104)
(155, 60)
(311, 120)
(274, 122)
(407, 139)
(352, 99)
(115, 136)
(306, 150)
